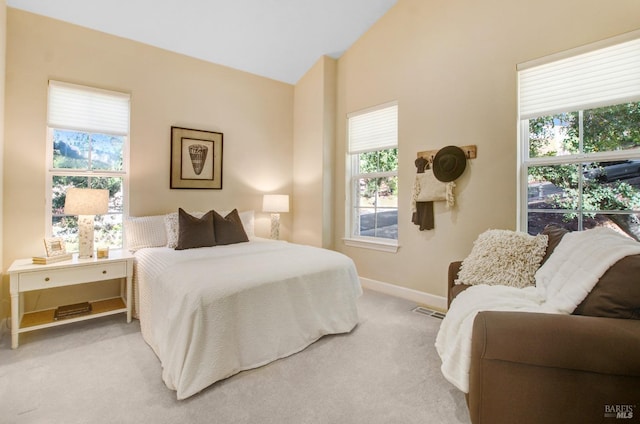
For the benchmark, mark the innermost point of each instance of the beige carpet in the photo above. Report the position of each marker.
(101, 371)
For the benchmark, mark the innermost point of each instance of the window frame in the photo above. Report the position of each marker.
(52, 172)
(525, 162)
(575, 159)
(353, 176)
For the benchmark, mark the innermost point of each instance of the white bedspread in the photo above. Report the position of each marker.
(562, 283)
(209, 313)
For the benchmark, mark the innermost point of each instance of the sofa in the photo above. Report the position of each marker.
(556, 368)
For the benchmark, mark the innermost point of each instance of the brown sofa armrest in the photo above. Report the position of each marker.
(454, 289)
(534, 368)
(603, 345)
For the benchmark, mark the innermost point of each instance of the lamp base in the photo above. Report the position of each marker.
(275, 226)
(85, 236)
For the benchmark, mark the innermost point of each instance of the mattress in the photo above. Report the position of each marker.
(212, 312)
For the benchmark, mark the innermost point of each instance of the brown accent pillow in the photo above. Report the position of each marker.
(229, 230)
(555, 234)
(617, 294)
(195, 232)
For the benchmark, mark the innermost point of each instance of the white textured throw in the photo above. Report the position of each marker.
(562, 283)
(427, 188)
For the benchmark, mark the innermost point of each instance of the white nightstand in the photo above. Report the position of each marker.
(25, 276)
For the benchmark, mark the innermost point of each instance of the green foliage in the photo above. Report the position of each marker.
(374, 162)
(542, 133)
(80, 151)
(87, 151)
(617, 196)
(379, 161)
(604, 129)
(565, 176)
(612, 127)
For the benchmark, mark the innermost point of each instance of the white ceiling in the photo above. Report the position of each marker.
(278, 39)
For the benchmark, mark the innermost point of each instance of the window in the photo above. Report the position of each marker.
(373, 175)
(87, 147)
(580, 139)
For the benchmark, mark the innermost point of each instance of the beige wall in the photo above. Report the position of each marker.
(4, 304)
(451, 65)
(254, 113)
(313, 155)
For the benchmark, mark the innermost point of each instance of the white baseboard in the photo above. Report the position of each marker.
(436, 302)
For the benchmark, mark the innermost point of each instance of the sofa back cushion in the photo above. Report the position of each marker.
(555, 235)
(617, 294)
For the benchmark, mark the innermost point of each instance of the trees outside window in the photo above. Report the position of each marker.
(87, 145)
(372, 174)
(85, 160)
(579, 115)
(375, 184)
(570, 181)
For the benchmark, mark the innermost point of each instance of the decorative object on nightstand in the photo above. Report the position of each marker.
(276, 204)
(43, 260)
(55, 251)
(54, 246)
(86, 202)
(102, 252)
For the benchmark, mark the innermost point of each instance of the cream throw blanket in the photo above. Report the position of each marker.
(562, 283)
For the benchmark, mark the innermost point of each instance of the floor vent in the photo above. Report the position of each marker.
(428, 312)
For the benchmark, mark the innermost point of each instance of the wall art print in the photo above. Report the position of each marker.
(196, 159)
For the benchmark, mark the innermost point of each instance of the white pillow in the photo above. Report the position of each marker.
(503, 257)
(145, 231)
(248, 222)
(171, 225)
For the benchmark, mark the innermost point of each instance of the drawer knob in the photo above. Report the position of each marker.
(104, 272)
(46, 278)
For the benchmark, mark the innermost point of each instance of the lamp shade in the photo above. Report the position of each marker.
(86, 201)
(275, 203)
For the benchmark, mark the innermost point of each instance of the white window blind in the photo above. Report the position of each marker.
(80, 108)
(597, 78)
(373, 129)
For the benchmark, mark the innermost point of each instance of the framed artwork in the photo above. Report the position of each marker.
(55, 246)
(196, 159)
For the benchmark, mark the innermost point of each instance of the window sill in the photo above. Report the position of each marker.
(390, 246)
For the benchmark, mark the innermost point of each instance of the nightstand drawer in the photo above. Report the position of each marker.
(44, 279)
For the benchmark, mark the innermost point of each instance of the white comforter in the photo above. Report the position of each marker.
(209, 313)
(562, 283)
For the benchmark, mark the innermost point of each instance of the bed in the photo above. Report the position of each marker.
(211, 312)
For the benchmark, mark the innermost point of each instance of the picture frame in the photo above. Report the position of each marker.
(196, 159)
(55, 246)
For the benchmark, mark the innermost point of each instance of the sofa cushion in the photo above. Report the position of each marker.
(555, 235)
(503, 257)
(617, 294)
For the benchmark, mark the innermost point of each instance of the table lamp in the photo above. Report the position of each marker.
(275, 203)
(86, 203)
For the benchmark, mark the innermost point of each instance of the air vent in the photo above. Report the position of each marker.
(428, 312)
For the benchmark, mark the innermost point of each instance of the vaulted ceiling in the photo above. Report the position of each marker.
(278, 39)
